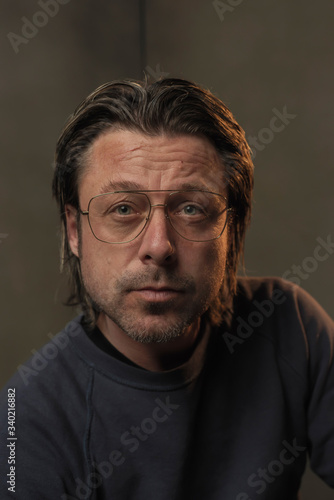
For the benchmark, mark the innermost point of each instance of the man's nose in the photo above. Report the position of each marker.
(157, 243)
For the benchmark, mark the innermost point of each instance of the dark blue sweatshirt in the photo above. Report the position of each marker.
(235, 422)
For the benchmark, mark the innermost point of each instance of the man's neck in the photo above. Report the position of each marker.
(152, 356)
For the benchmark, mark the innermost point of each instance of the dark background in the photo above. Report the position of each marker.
(257, 56)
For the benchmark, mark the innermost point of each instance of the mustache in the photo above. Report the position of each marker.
(135, 280)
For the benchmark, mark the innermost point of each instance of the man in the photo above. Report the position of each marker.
(178, 381)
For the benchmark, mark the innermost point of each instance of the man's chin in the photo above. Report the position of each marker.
(154, 328)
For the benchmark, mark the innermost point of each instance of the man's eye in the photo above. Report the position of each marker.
(192, 210)
(123, 210)
(119, 210)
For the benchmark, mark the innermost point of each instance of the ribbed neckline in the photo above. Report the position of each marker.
(126, 374)
(97, 337)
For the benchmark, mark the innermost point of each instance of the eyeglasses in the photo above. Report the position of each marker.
(121, 216)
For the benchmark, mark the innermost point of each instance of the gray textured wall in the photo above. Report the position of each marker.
(258, 56)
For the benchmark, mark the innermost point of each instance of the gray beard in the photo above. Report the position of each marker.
(159, 335)
(130, 326)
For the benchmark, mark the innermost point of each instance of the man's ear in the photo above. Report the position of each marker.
(72, 228)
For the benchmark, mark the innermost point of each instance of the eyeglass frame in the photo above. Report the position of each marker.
(165, 205)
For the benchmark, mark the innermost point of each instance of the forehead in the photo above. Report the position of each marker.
(121, 157)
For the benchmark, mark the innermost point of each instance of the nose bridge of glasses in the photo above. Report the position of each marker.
(161, 205)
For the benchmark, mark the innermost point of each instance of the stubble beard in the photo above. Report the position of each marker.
(148, 328)
(111, 303)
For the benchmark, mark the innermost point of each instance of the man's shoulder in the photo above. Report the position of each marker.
(283, 312)
(250, 287)
(45, 371)
(48, 408)
(279, 291)
(265, 284)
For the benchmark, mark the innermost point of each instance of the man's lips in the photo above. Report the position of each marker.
(157, 293)
(159, 288)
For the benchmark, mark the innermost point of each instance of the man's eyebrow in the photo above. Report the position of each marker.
(120, 186)
(134, 186)
(193, 186)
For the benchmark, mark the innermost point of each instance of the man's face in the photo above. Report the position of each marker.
(156, 286)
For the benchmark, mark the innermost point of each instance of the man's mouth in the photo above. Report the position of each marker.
(157, 293)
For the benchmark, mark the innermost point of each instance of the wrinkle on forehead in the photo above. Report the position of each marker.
(120, 149)
(118, 153)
